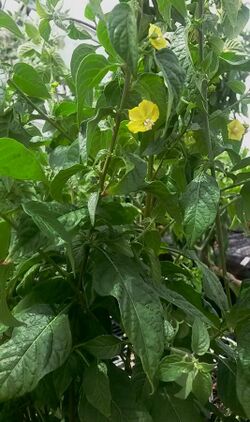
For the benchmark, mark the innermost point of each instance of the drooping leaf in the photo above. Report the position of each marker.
(174, 77)
(180, 6)
(243, 366)
(200, 337)
(34, 350)
(103, 37)
(58, 183)
(18, 162)
(139, 306)
(103, 347)
(122, 29)
(231, 9)
(46, 220)
(78, 54)
(7, 22)
(91, 71)
(202, 386)
(96, 388)
(200, 202)
(29, 81)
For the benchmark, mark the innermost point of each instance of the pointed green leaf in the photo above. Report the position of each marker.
(200, 202)
(231, 9)
(18, 162)
(7, 22)
(59, 181)
(103, 347)
(78, 54)
(96, 388)
(140, 307)
(35, 349)
(122, 27)
(202, 387)
(29, 81)
(200, 337)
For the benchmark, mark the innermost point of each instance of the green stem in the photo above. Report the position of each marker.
(209, 142)
(235, 185)
(88, 25)
(44, 115)
(148, 203)
(118, 119)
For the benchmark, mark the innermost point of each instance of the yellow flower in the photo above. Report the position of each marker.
(143, 117)
(156, 37)
(235, 130)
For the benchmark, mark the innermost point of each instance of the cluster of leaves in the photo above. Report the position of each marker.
(109, 306)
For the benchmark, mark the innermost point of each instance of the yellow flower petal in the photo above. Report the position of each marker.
(156, 37)
(137, 126)
(143, 117)
(235, 130)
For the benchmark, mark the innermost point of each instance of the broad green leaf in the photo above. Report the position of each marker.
(32, 31)
(226, 385)
(35, 349)
(46, 220)
(90, 73)
(29, 81)
(168, 407)
(18, 162)
(76, 32)
(200, 337)
(231, 9)
(237, 86)
(243, 366)
(122, 27)
(165, 7)
(78, 54)
(202, 387)
(103, 37)
(174, 77)
(41, 11)
(7, 22)
(134, 177)
(245, 195)
(140, 307)
(88, 413)
(103, 347)
(172, 367)
(5, 235)
(59, 181)
(96, 388)
(212, 285)
(200, 202)
(93, 10)
(45, 29)
(180, 6)
(92, 205)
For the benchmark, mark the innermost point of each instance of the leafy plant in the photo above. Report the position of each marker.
(119, 181)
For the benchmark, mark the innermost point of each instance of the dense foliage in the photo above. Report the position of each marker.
(120, 179)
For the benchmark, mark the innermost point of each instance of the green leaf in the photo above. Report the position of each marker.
(243, 366)
(173, 366)
(140, 307)
(92, 205)
(212, 286)
(46, 220)
(122, 29)
(5, 236)
(165, 7)
(202, 387)
(8, 23)
(41, 11)
(166, 405)
(200, 202)
(45, 29)
(245, 162)
(88, 413)
(103, 347)
(34, 350)
(237, 86)
(226, 385)
(78, 55)
(174, 77)
(200, 337)
(76, 32)
(103, 37)
(6, 316)
(59, 181)
(18, 162)
(180, 6)
(96, 388)
(231, 9)
(245, 195)
(29, 81)
(91, 71)
(134, 177)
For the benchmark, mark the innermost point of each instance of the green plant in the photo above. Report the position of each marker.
(116, 179)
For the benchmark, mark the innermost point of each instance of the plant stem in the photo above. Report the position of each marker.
(88, 25)
(219, 229)
(118, 118)
(148, 202)
(235, 185)
(44, 115)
